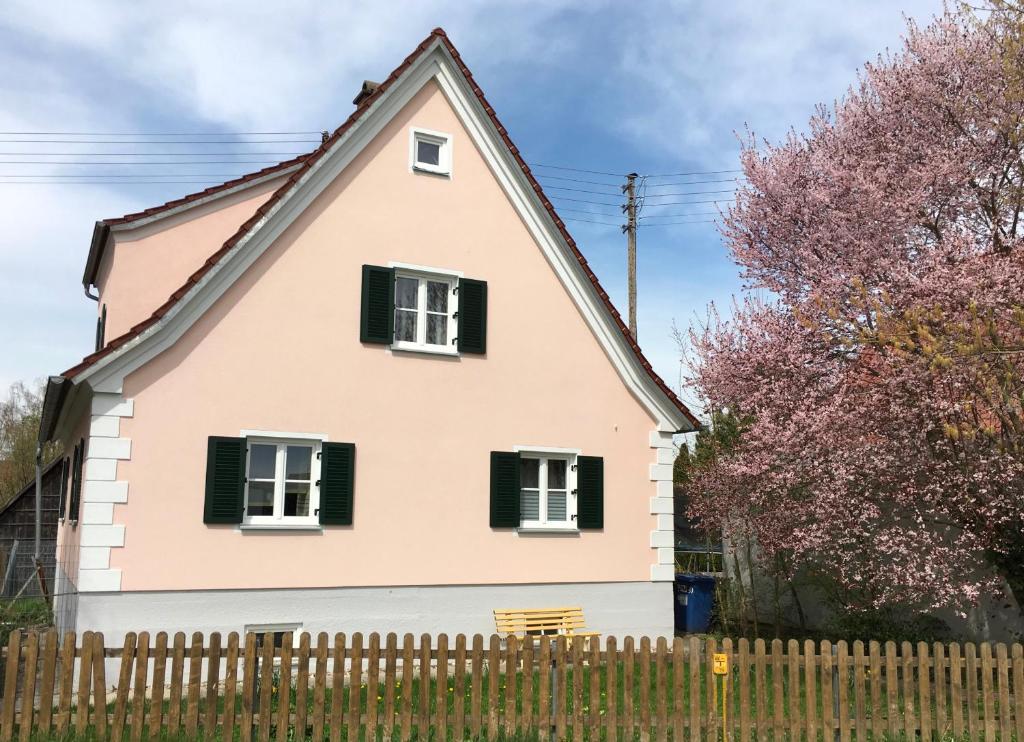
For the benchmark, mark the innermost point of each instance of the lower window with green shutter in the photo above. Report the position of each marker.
(547, 490)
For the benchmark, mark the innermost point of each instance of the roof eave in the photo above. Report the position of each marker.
(100, 235)
(57, 388)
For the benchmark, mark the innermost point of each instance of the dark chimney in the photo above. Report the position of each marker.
(369, 86)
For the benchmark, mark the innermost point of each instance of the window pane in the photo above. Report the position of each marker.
(261, 498)
(437, 329)
(437, 297)
(262, 461)
(428, 153)
(556, 505)
(529, 473)
(529, 505)
(556, 474)
(296, 499)
(405, 325)
(298, 463)
(406, 290)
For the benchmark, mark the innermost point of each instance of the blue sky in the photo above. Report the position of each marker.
(655, 87)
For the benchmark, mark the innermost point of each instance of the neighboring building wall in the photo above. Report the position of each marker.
(18, 523)
(281, 352)
(141, 267)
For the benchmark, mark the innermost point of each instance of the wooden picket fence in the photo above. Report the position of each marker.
(356, 687)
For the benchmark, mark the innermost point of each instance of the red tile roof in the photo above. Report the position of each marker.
(307, 161)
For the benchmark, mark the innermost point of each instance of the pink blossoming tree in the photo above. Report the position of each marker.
(881, 388)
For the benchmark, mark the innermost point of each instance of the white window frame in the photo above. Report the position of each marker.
(282, 441)
(424, 274)
(545, 454)
(444, 159)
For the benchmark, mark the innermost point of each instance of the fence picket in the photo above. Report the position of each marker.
(714, 702)
(99, 682)
(266, 681)
(441, 702)
(47, 681)
(860, 673)
(84, 685)
(390, 677)
(407, 675)
(476, 683)
(29, 665)
(544, 720)
(1018, 690)
(892, 688)
(827, 726)
(458, 690)
(726, 691)
(284, 686)
(123, 684)
(195, 676)
(939, 688)
(11, 687)
(336, 720)
(493, 678)
(67, 682)
(955, 690)
(907, 677)
(561, 691)
(355, 682)
(694, 665)
(843, 692)
(971, 689)
(140, 684)
(230, 683)
(678, 681)
(987, 697)
(743, 687)
(778, 711)
(320, 684)
(177, 672)
(248, 687)
(301, 689)
(628, 660)
(212, 685)
(526, 712)
(760, 688)
(1003, 685)
(577, 688)
(372, 690)
(924, 693)
(611, 716)
(810, 690)
(511, 662)
(793, 694)
(661, 703)
(423, 725)
(156, 708)
(877, 710)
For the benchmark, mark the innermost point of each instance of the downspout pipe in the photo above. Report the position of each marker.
(37, 552)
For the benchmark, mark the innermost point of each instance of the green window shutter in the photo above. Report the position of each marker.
(504, 490)
(225, 480)
(377, 316)
(472, 316)
(337, 483)
(76, 481)
(65, 473)
(590, 492)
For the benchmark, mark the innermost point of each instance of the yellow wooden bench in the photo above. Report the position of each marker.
(536, 622)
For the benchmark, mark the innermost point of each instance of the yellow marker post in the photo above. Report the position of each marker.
(720, 666)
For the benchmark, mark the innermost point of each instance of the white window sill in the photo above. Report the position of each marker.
(281, 527)
(548, 529)
(429, 349)
(418, 168)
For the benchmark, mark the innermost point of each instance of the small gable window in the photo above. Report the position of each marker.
(431, 152)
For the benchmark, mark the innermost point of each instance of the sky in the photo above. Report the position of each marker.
(656, 88)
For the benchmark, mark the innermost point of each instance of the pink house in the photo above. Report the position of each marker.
(373, 388)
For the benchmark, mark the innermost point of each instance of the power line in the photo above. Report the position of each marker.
(576, 180)
(160, 141)
(147, 154)
(682, 213)
(590, 221)
(580, 190)
(696, 182)
(696, 172)
(583, 201)
(156, 133)
(577, 170)
(689, 193)
(136, 164)
(585, 211)
(669, 224)
(688, 203)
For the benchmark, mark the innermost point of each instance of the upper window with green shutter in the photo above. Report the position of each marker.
(423, 309)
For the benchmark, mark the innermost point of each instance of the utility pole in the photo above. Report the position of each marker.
(630, 230)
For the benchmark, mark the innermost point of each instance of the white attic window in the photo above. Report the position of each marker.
(430, 152)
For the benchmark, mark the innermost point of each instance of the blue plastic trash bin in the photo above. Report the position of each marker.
(694, 598)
